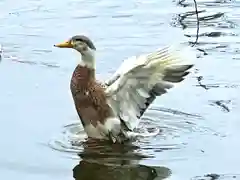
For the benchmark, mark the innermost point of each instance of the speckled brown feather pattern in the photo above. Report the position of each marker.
(89, 97)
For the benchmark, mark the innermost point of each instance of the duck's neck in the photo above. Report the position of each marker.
(88, 60)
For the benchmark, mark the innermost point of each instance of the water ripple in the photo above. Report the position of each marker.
(213, 24)
(217, 177)
(174, 125)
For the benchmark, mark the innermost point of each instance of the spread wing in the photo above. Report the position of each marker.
(140, 79)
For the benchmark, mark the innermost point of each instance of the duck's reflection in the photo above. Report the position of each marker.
(115, 162)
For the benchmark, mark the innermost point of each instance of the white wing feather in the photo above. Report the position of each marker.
(139, 79)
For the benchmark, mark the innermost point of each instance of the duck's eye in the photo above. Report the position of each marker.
(78, 40)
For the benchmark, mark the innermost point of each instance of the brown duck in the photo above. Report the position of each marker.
(112, 110)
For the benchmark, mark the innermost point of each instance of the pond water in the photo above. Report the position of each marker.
(199, 120)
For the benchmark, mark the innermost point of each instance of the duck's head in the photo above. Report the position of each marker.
(80, 43)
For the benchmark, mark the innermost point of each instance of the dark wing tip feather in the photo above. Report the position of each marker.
(156, 91)
(175, 75)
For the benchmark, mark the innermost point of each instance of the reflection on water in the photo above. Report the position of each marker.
(216, 27)
(100, 160)
(217, 177)
(87, 170)
(218, 43)
(104, 160)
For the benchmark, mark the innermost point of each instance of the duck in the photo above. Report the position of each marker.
(111, 110)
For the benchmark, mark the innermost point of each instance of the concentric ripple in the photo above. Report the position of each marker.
(174, 126)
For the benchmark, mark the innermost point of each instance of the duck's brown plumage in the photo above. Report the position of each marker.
(89, 97)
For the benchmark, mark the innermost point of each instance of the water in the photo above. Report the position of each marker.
(199, 137)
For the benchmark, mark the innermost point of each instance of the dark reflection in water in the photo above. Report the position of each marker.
(213, 23)
(86, 170)
(114, 162)
(222, 104)
(108, 153)
(217, 177)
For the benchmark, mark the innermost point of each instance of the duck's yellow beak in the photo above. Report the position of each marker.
(66, 44)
